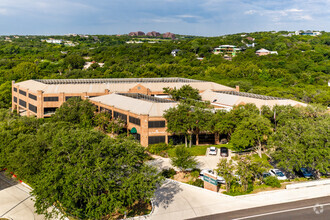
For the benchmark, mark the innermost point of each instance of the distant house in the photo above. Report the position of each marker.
(54, 41)
(263, 52)
(175, 52)
(250, 38)
(137, 33)
(229, 50)
(169, 35)
(251, 45)
(153, 34)
(310, 33)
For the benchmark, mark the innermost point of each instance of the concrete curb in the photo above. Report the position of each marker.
(308, 184)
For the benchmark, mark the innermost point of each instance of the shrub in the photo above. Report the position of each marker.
(168, 173)
(272, 181)
(197, 182)
(195, 173)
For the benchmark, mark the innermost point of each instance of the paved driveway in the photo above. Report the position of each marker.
(15, 201)
(205, 162)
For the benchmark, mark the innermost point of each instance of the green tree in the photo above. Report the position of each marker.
(185, 92)
(74, 61)
(25, 71)
(102, 121)
(76, 111)
(5, 94)
(245, 172)
(252, 132)
(303, 143)
(182, 159)
(226, 169)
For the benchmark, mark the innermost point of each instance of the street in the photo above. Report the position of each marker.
(318, 208)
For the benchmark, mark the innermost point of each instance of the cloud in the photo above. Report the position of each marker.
(207, 17)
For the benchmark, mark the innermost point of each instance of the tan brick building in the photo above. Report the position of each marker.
(42, 97)
(140, 102)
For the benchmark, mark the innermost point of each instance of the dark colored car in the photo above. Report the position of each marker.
(306, 173)
(266, 174)
(224, 152)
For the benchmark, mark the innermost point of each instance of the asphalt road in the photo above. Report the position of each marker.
(310, 209)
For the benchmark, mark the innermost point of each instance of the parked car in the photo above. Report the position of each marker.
(306, 173)
(213, 151)
(220, 179)
(279, 175)
(224, 152)
(266, 174)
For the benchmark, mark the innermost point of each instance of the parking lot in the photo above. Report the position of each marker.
(205, 162)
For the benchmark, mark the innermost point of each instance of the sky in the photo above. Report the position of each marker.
(192, 17)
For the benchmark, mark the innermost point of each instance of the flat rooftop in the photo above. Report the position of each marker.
(250, 95)
(119, 85)
(117, 80)
(146, 98)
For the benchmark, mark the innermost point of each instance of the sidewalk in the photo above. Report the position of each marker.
(175, 200)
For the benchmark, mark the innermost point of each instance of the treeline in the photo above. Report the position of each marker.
(69, 164)
(300, 70)
(294, 137)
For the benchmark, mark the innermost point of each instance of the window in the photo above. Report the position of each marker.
(15, 99)
(156, 124)
(156, 139)
(50, 99)
(68, 97)
(136, 136)
(22, 103)
(120, 115)
(33, 97)
(134, 120)
(22, 92)
(33, 108)
(15, 89)
(49, 111)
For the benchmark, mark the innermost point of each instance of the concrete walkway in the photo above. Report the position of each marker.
(15, 201)
(175, 200)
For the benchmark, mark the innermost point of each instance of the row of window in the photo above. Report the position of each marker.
(31, 96)
(49, 111)
(120, 115)
(156, 124)
(22, 103)
(51, 99)
(134, 120)
(156, 139)
(33, 108)
(22, 92)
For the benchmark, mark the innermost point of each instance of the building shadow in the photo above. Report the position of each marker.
(6, 182)
(164, 196)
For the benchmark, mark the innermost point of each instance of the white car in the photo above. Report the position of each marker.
(279, 175)
(213, 151)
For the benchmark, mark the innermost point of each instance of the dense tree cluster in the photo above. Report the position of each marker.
(299, 71)
(296, 137)
(83, 172)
